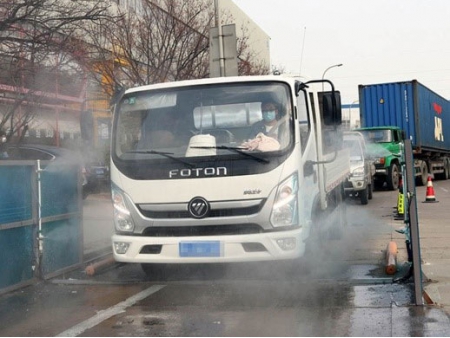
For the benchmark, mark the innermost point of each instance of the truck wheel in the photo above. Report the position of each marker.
(445, 174)
(370, 195)
(364, 195)
(327, 230)
(328, 224)
(339, 218)
(423, 178)
(393, 177)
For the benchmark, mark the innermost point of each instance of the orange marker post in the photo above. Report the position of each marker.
(391, 258)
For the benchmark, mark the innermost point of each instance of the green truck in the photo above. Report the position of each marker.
(384, 146)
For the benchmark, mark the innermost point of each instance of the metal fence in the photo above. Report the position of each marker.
(41, 233)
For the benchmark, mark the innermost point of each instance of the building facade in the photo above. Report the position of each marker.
(257, 38)
(61, 99)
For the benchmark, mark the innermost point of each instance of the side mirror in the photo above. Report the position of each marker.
(331, 107)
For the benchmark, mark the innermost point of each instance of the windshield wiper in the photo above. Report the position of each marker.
(162, 153)
(236, 150)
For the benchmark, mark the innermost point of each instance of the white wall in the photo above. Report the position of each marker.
(258, 39)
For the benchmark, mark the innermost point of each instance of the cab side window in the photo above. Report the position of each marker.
(303, 119)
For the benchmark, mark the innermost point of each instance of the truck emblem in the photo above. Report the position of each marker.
(252, 191)
(198, 207)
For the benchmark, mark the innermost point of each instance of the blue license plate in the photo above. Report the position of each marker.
(200, 249)
(99, 171)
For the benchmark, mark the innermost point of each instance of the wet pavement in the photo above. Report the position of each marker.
(242, 300)
(434, 231)
(344, 293)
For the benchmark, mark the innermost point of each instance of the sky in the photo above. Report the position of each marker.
(376, 41)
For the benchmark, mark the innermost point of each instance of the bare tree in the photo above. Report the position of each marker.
(167, 40)
(36, 43)
(47, 46)
(249, 63)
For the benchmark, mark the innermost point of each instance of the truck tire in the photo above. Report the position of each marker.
(364, 195)
(445, 174)
(337, 231)
(328, 224)
(393, 177)
(422, 179)
(370, 195)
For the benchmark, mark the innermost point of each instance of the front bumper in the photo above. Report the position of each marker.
(235, 248)
(354, 184)
(381, 172)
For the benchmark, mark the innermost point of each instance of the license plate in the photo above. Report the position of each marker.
(99, 171)
(200, 249)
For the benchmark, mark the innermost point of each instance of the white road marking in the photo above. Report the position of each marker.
(109, 312)
(443, 189)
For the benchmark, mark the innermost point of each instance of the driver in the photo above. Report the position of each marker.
(268, 125)
(265, 135)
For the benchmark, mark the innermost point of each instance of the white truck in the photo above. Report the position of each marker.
(362, 169)
(190, 184)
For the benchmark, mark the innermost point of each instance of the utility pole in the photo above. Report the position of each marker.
(219, 26)
(222, 48)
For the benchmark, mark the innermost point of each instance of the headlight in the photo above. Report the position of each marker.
(358, 171)
(122, 217)
(284, 210)
(380, 160)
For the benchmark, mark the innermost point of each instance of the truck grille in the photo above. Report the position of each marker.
(209, 230)
(220, 210)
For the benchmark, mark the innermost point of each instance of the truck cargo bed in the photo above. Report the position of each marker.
(423, 114)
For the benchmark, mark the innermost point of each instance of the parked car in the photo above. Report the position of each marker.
(49, 153)
(362, 169)
(97, 175)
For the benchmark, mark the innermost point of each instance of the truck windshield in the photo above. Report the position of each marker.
(377, 136)
(354, 147)
(197, 122)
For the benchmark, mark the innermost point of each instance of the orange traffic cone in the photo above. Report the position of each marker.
(430, 197)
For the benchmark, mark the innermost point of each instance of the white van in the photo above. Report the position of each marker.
(362, 169)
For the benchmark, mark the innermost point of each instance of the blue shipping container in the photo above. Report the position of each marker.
(421, 113)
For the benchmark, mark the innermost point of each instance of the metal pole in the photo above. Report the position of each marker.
(40, 237)
(326, 70)
(350, 114)
(414, 223)
(219, 26)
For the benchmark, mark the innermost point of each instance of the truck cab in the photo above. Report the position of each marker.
(385, 146)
